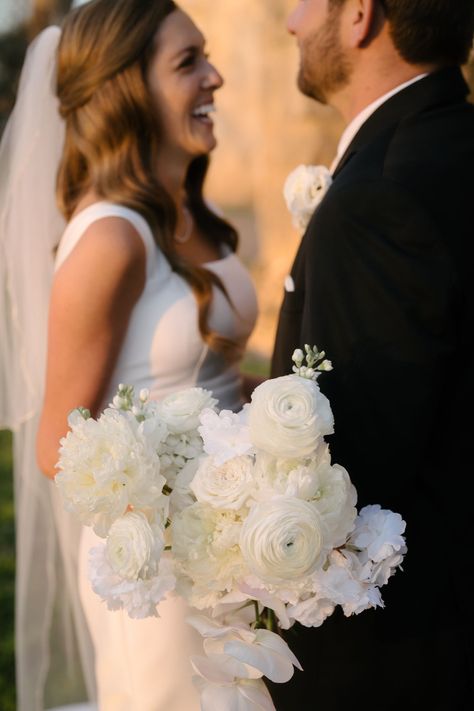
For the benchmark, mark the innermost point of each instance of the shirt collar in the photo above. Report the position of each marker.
(353, 127)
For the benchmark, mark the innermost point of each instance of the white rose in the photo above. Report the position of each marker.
(288, 416)
(134, 547)
(181, 410)
(106, 465)
(335, 498)
(227, 486)
(304, 189)
(282, 539)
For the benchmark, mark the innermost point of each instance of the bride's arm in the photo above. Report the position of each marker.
(93, 294)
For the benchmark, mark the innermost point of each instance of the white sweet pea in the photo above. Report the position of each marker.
(225, 435)
(288, 416)
(227, 486)
(134, 546)
(181, 410)
(282, 539)
(304, 189)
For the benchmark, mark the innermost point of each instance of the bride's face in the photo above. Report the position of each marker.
(182, 83)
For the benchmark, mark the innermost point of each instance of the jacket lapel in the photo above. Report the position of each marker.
(442, 87)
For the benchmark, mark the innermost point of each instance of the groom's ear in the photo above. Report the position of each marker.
(361, 22)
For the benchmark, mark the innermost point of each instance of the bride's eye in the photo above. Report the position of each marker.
(188, 60)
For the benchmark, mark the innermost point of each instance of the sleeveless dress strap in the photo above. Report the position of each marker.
(98, 211)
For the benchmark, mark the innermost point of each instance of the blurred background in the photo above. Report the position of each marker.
(265, 129)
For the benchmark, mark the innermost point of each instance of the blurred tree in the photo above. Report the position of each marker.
(46, 12)
(13, 46)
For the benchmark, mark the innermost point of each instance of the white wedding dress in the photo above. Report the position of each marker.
(143, 665)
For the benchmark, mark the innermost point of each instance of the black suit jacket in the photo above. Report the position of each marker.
(384, 282)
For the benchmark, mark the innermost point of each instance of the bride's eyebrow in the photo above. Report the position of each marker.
(193, 48)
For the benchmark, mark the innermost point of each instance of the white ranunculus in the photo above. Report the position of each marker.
(107, 465)
(304, 189)
(225, 434)
(288, 416)
(282, 539)
(181, 410)
(134, 546)
(227, 486)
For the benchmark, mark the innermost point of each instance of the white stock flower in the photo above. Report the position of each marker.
(288, 416)
(181, 410)
(106, 465)
(134, 546)
(227, 486)
(282, 539)
(304, 189)
(181, 497)
(225, 434)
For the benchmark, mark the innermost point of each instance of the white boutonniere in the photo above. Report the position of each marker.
(304, 189)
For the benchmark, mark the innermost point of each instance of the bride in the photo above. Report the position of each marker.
(143, 287)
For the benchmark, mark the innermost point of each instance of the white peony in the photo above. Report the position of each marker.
(227, 486)
(205, 543)
(180, 411)
(225, 435)
(134, 546)
(282, 539)
(304, 189)
(288, 416)
(107, 465)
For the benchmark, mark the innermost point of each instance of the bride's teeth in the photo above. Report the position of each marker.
(204, 110)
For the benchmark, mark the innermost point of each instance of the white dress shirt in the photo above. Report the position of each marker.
(356, 123)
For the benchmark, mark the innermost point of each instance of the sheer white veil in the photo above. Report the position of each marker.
(53, 650)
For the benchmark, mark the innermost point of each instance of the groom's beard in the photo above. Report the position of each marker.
(325, 67)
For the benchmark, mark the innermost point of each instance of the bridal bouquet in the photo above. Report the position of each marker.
(261, 526)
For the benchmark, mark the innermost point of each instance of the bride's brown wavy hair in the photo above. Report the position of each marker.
(113, 136)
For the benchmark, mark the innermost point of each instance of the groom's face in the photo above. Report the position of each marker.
(325, 67)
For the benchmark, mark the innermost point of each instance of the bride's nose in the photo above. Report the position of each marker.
(212, 79)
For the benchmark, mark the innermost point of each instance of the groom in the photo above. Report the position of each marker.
(384, 283)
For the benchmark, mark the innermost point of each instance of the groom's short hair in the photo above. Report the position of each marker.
(430, 31)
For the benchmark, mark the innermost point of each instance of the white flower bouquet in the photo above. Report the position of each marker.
(262, 527)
